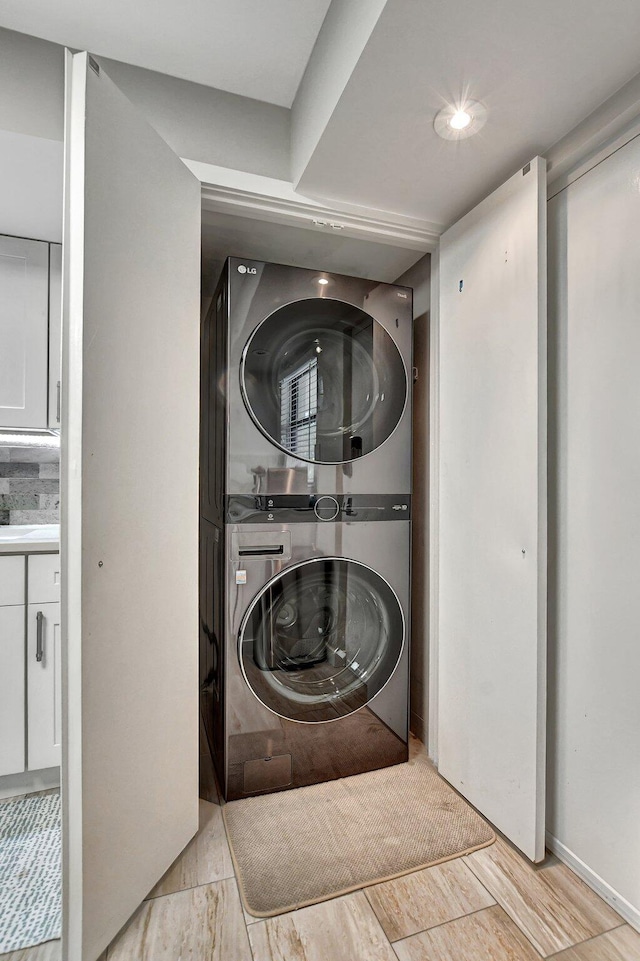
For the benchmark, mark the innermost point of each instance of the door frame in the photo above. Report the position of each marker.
(275, 201)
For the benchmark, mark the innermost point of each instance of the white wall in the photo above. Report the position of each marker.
(419, 277)
(209, 125)
(594, 486)
(198, 122)
(31, 86)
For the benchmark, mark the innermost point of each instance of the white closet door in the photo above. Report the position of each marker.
(131, 280)
(492, 603)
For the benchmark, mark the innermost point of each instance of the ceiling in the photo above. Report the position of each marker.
(374, 74)
(539, 68)
(255, 48)
(228, 235)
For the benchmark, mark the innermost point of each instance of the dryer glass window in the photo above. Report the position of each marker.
(323, 380)
(321, 640)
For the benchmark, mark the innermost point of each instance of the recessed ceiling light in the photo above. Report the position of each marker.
(323, 281)
(460, 121)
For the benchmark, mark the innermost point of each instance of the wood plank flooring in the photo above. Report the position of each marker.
(551, 906)
(427, 898)
(207, 858)
(621, 944)
(201, 924)
(488, 906)
(488, 934)
(345, 929)
(51, 951)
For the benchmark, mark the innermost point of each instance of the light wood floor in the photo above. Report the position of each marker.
(489, 906)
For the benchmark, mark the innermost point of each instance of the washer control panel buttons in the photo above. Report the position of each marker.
(311, 508)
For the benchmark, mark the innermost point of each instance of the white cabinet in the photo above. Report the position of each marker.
(12, 612)
(44, 675)
(44, 578)
(55, 332)
(32, 742)
(30, 333)
(44, 686)
(12, 580)
(24, 335)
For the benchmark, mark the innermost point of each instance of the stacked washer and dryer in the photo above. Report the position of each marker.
(305, 526)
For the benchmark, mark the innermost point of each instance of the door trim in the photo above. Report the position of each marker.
(275, 201)
(434, 506)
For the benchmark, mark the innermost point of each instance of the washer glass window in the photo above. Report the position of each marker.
(321, 639)
(323, 380)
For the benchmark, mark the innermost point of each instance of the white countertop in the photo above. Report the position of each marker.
(29, 538)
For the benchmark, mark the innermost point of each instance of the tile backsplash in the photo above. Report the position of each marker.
(29, 485)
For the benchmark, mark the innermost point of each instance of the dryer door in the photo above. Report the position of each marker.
(321, 639)
(323, 380)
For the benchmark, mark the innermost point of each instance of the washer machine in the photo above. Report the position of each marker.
(305, 526)
(310, 680)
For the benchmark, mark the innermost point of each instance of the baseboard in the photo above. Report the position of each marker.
(29, 782)
(626, 910)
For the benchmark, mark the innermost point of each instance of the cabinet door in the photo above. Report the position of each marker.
(492, 571)
(24, 302)
(131, 346)
(12, 580)
(44, 689)
(55, 332)
(12, 689)
(44, 578)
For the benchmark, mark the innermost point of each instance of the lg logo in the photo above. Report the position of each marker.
(246, 270)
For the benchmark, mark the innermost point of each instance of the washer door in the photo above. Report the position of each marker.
(321, 639)
(323, 380)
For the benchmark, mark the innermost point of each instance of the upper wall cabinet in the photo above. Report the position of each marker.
(55, 332)
(30, 273)
(24, 332)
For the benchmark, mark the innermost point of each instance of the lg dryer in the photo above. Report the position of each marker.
(308, 379)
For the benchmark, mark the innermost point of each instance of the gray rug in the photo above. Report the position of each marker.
(313, 843)
(30, 872)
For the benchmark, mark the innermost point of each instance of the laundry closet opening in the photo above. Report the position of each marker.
(314, 513)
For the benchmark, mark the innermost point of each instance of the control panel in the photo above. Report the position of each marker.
(316, 508)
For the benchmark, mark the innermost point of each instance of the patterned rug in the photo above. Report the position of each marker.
(30, 872)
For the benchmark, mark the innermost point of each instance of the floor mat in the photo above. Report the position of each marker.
(298, 847)
(30, 872)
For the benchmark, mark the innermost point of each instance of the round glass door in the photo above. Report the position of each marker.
(321, 639)
(323, 380)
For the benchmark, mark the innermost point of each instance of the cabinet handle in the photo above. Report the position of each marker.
(39, 635)
(58, 404)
